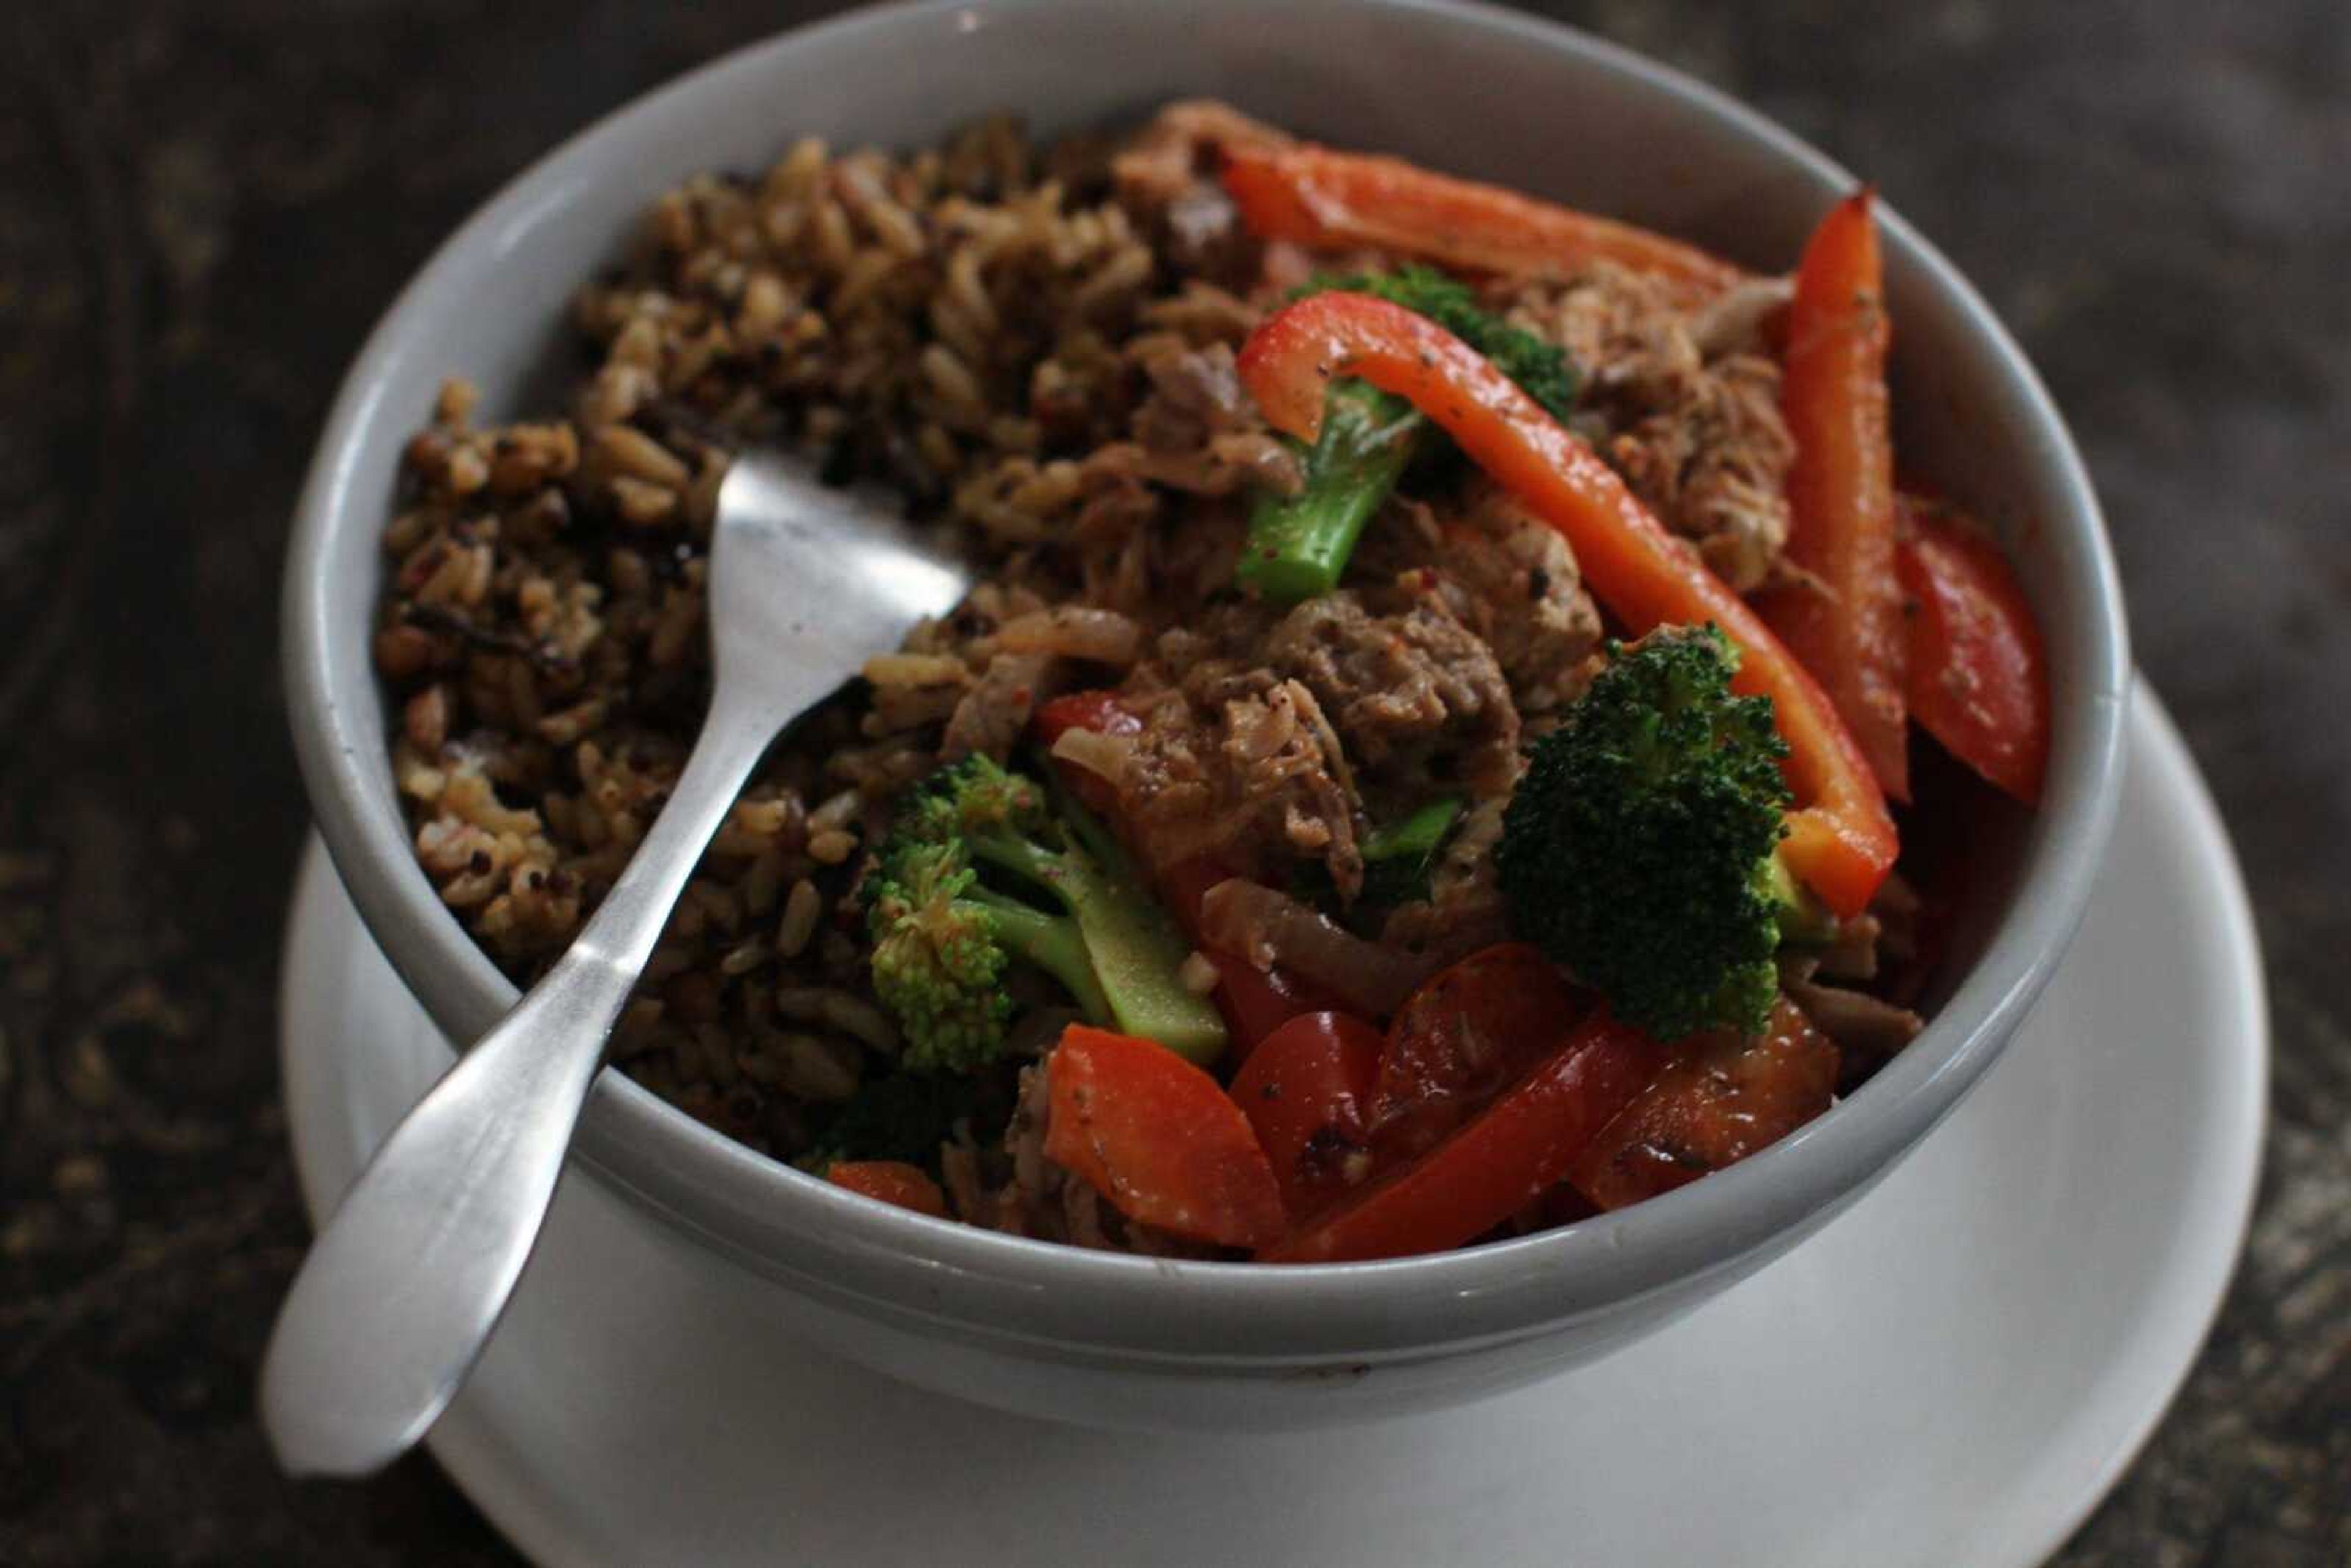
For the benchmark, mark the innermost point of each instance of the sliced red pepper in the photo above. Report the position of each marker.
(1979, 677)
(1841, 839)
(1256, 1002)
(1509, 1155)
(892, 1182)
(1844, 619)
(1156, 1136)
(1317, 196)
(1470, 1030)
(1307, 1089)
(1720, 1100)
(1097, 710)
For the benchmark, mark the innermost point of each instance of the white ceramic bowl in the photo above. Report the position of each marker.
(1138, 1342)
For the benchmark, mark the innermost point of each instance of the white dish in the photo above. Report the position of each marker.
(1131, 1341)
(1951, 1373)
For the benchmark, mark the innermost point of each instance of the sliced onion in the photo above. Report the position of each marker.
(1734, 318)
(1104, 756)
(1268, 928)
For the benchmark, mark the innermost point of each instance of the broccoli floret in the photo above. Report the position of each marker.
(907, 1115)
(1639, 850)
(1543, 370)
(1399, 860)
(942, 938)
(939, 954)
(1299, 545)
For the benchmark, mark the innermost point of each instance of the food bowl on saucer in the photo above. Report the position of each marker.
(1131, 1340)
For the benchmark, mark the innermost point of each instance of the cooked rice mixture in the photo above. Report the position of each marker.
(1036, 342)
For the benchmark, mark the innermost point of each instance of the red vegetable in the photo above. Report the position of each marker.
(1307, 1089)
(893, 1182)
(1316, 196)
(1097, 710)
(1157, 1137)
(1844, 620)
(1256, 1002)
(1509, 1155)
(1841, 839)
(1979, 680)
(1463, 1036)
(1721, 1098)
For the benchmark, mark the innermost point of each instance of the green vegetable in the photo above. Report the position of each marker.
(907, 1115)
(1803, 920)
(1639, 849)
(1397, 861)
(1299, 545)
(1398, 858)
(942, 938)
(1543, 370)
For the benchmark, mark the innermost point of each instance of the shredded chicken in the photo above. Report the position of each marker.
(1507, 576)
(1685, 403)
(1165, 176)
(1239, 763)
(989, 717)
(1403, 687)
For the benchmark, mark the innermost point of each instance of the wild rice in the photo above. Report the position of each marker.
(1023, 344)
(802, 908)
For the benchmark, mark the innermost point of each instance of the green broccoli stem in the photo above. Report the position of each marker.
(1299, 545)
(1417, 836)
(1803, 920)
(1052, 942)
(1135, 947)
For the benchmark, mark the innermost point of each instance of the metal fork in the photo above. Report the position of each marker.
(405, 1286)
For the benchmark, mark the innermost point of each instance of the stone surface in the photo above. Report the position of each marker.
(202, 207)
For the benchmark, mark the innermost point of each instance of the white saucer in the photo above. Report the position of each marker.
(1952, 1373)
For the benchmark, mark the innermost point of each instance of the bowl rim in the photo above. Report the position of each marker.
(963, 1280)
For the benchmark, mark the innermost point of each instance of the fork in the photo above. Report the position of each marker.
(403, 1287)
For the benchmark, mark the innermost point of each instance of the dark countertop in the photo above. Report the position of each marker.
(204, 206)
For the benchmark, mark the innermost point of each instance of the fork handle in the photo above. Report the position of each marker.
(402, 1290)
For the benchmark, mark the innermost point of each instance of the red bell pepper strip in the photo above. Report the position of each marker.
(1256, 1002)
(1317, 196)
(1722, 1099)
(1466, 1033)
(1097, 710)
(1844, 620)
(1307, 1089)
(1156, 1136)
(1840, 840)
(1495, 1164)
(893, 1182)
(1979, 678)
